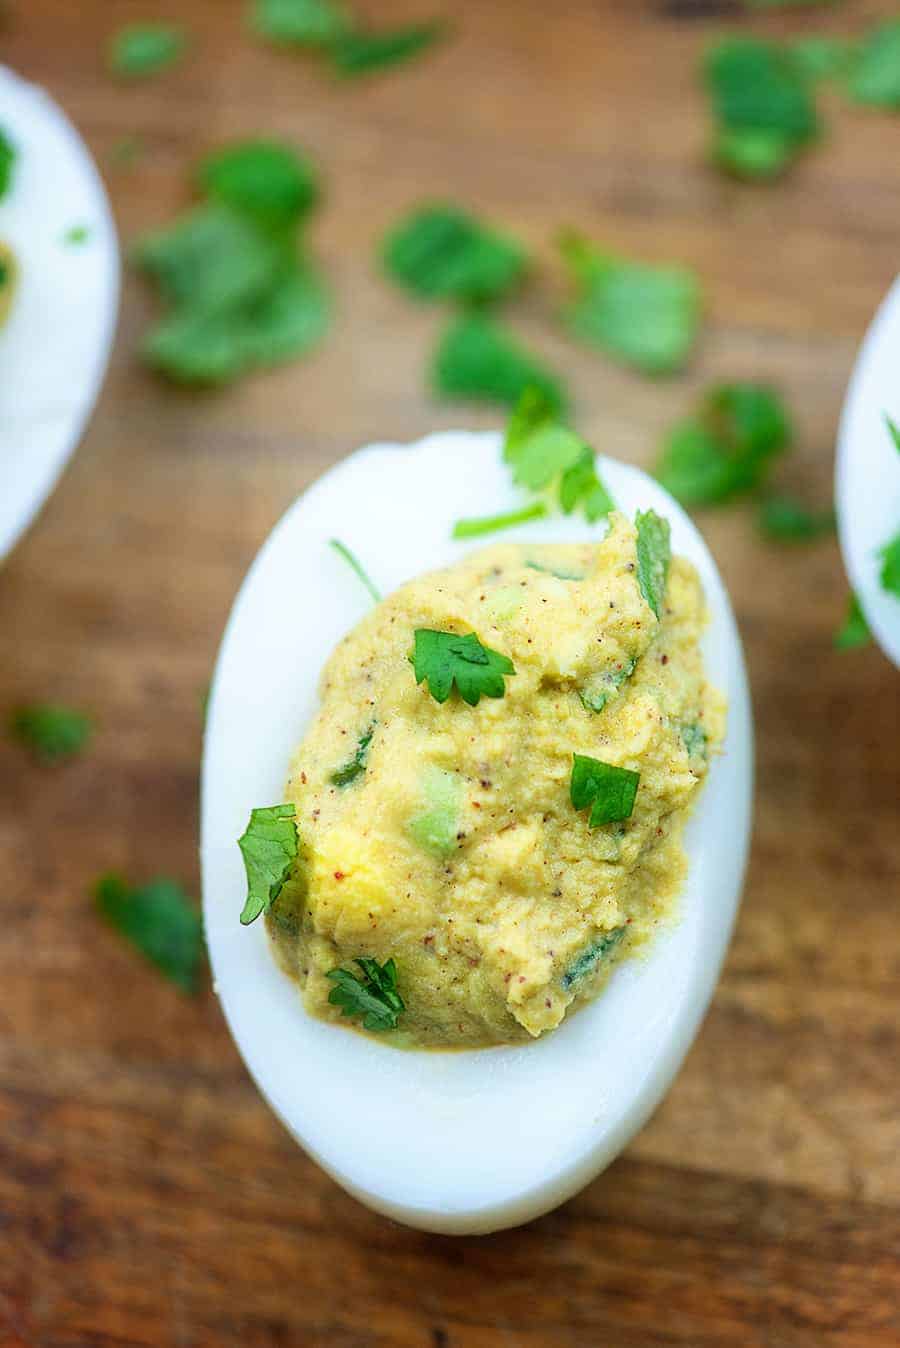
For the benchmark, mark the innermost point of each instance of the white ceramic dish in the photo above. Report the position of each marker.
(55, 347)
(867, 481)
(454, 1142)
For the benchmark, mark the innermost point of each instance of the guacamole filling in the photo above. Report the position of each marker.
(489, 804)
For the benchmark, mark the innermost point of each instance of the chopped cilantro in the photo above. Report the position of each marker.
(552, 571)
(264, 178)
(727, 447)
(763, 106)
(790, 521)
(608, 790)
(358, 52)
(355, 766)
(597, 693)
(874, 76)
(356, 567)
(855, 630)
(442, 658)
(269, 848)
(542, 452)
(644, 315)
(653, 556)
(478, 359)
(51, 732)
(890, 566)
(488, 524)
(581, 486)
(590, 957)
(76, 235)
(160, 920)
(371, 994)
(7, 163)
(893, 430)
(441, 252)
(300, 23)
(144, 49)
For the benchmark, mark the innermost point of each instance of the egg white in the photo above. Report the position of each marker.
(867, 478)
(55, 345)
(465, 1141)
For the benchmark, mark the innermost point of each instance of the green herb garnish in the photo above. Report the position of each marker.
(76, 235)
(821, 58)
(371, 994)
(489, 524)
(789, 521)
(694, 738)
(542, 452)
(596, 695)
(7, 163)
(874, 76)
(889, 574)
(360, 52)
(51, 732)
(160, 921)
(356, 765)
(608, 790)
(445, 658)
(264, 178)
(441, 252)
(269, 847)
(479, 360)
(763, 106)
(893, 430)
(654, 553)
(356, 567)
(300, 23)
(727, 447)
(144, 49)
(644, 315)
(855, 630)
(590, 957)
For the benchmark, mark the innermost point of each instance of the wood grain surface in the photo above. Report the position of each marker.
(147, 1195)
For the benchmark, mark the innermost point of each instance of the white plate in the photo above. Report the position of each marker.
(55, 346)
(867, 481)
(470, 1141)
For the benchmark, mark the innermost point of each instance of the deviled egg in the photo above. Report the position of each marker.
(867, 484)
(59, 284)
(590, 909)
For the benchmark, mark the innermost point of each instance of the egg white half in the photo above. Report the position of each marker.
(465, 1141)
(55, 346)
(867, 480)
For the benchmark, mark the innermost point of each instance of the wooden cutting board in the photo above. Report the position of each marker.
(147, 1196)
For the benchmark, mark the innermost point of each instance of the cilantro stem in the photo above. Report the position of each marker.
(356, 566)
(488, 524)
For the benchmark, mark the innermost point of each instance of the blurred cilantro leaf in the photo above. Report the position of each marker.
(441, 252)
(727, 447)
(874, 76)
(478, 359)
(855, 630)
(143, 49)
(893, 430)
(160, 920)
(890, 566)
(821, 58)
(262, 177)
(543, 453)
(787, 520)
(646, 316)
(7, 163)
(51, 731)
(300, 23)
(361, 51)
(763, 106)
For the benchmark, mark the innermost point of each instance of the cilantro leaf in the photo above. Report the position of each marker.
(763, 106)
(727, 447)
(541, 452)
(489, 524)
(478, 359)
(646, 316)
(300, 23)
(789, 521)
(359, 52)
(356, 567)
(596, 695)
(441, 252)
(581, 486)
(875, 73)
(51, 732)
(144, 49)
(160, 920)
(210, 258)
(890, 566)
(443, 658)
(269, 848)
(355, 766)
(821, 58)
(263, 177)
(654, 554)
(608, 790)
(372, 993)
(8, 155)
(590, 957)
(855, 630)
(893, 430)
